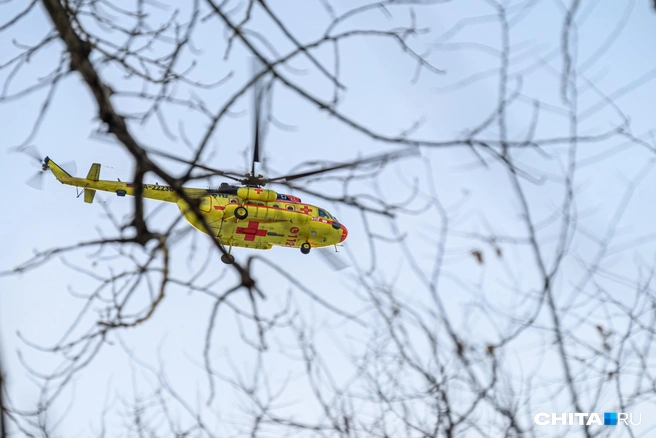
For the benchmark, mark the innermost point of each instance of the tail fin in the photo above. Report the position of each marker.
(56, 170)
(93, 175)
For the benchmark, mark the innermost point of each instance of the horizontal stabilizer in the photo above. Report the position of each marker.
(89, 195)
(93, 175)
(94, 172)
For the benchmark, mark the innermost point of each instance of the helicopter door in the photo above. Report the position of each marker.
(205, 204)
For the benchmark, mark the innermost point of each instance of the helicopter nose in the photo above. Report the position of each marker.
(344, 234)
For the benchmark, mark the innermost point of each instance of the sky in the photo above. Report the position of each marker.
(40, 304)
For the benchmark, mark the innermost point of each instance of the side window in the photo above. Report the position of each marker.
(275, 206)
(290, 207)
(233, 201)
(322, 213)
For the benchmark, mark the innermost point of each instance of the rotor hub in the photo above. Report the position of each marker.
(251, 180)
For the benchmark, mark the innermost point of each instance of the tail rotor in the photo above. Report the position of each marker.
(38, 160)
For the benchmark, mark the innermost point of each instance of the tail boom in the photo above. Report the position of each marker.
(92, 183)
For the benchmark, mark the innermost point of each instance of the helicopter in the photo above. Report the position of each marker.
(244, 215)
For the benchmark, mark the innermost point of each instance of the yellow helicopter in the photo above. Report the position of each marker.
(245, 215)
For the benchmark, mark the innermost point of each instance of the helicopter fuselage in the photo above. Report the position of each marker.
(246, 217)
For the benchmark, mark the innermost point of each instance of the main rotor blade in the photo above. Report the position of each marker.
(230, 175)
(374, 159)
(335, 262)
(258, 93)
(256, 128)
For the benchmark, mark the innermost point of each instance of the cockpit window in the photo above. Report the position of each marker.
(326, 214)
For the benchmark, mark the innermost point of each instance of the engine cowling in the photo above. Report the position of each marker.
(257, 194)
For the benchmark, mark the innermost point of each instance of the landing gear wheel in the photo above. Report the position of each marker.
(228, 259)
(241, 213)
(305, 248)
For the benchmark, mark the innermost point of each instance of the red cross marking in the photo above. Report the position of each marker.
(251, 231)
(258, 190)
(305, 209)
